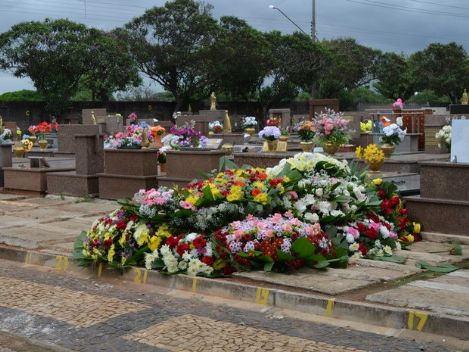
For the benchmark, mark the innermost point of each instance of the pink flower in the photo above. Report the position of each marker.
(354, 232)
(289, 214)
(186, 205)
(293, 195)
(392, 235)
(375, 226)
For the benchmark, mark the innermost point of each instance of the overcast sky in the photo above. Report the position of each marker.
(390, 25)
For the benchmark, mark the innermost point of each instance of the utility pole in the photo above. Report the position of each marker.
(313, 22)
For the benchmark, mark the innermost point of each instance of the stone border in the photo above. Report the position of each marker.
(353, 311)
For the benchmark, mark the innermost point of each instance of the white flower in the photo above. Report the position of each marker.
(324, 207)
(191, 236)
(150, 258)
(319, 192)
(182, 265)
(353, 247)
(312, 217)
(350, 239)
(300, 206)
(398, 246)
(383, 230)
(337, 213)
(387, 250)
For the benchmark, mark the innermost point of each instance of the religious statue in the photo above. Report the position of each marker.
(227, 123)
(465, 98)
(93, 118)
(213, 102)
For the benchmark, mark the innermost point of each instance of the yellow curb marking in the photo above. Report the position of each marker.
(422, 316)
(61, 263)
(100, 270)
(140, 278)
(194, 284)
(330, 306)
(262, 295)
(28, 258)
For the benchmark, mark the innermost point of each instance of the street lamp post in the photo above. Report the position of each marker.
(313, 20)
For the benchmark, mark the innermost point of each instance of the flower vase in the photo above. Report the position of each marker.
(272, 145)
(330, 148)
(43, 144)
(32, 139)
(19, 152)
(250, 131)
(375, 166)
(157, 141)
(162, 167)
(307, 146)
(387, 149)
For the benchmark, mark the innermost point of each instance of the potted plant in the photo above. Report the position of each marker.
(156, 133)
(372, 155)
(271, 134)
(331, 130)
(393, 135)
(306, 131)
(215, 127)
(249, 125)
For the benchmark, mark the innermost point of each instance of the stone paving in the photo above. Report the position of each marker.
(165, 323)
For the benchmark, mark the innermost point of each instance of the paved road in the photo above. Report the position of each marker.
(85, 315)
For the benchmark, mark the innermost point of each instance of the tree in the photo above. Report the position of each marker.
(21, 95)
(392, 72)
(443, 68)
(171, 45)
(238, 58)
(351, 66)
(49, 53)
(296, 64)
(109, 66)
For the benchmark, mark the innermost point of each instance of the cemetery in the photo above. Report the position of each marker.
(271, 183)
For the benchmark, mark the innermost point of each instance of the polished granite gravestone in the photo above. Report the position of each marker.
(66, 136)
(5, 158)
(184, 166)
(443, 203)
(433, 123)
(458, 109)
(89, 162)
(126, 171)
(230, 138)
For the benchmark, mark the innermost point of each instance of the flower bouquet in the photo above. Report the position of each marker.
(273, 121)
(186, 137)
(5, 136)
(134, 137)
(271, 134)
(372, 155)
(331, 130)
(156, 133)
(215, 127)
(444, 137)
(393, 135)
(366, 126)
(249, 125)
(132, 118)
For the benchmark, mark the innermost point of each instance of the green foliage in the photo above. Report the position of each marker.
(428, 96)
(443, 68)
(439, 268)
(393, 74)
(21, 95)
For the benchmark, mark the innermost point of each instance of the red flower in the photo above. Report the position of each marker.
(108, 242)
(255, 192)
(372, 234)
(362, 248)
(403, 211)
(172, 241)
(182, 247)
(395, 200)
(121, 225)
(275, 182)
(199, 242)
(381, 193)
(207, 260)
(228, 270)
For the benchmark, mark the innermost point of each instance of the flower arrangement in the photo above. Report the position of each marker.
(273, 121)
(186, 137)
(26, 143)
(444, 136)
(310, 210)
(331, 127)
(270, 133)
(215, 127)
(131, 138)
(132, 117)
(157, 130)
(306, 130)
(249, 122)
(5, 136)
(366, 126)
(370, 154)
(42, 128)
(398, 104)
(393, 134)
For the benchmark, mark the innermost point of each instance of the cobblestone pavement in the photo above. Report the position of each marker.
(87, 315)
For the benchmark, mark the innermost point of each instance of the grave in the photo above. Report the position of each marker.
(5, 158)
(184, 166)
(110, 123)
(89, 162)
(86, 118)
(230, 138)
(284, 115)
(433, 123)
(27, 177)
(459, 109)
(66, 136)
(316, 106)
(126, 171)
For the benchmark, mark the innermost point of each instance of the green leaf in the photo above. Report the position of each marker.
(268, 266)
(456, 249)
(440, 268)
(284, 257)
(392, 259)
(208, 195)
(303, 248)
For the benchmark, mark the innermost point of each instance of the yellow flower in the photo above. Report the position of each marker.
(219, 264)
(417, 227)
(262, 198)
(358, 152)
(215, 191)
(286, 179)
(410, 238)
(111, 253)
(163, 232)
(154, 243)
(258, 184)
(192, 199)
(377, 181)
(142, 234)
(236, 193)
(122, 240)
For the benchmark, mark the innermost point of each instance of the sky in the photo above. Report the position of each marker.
(390, 25)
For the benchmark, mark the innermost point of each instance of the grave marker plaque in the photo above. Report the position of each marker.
(460, 141)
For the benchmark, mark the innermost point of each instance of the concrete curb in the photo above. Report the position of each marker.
(353, 311)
